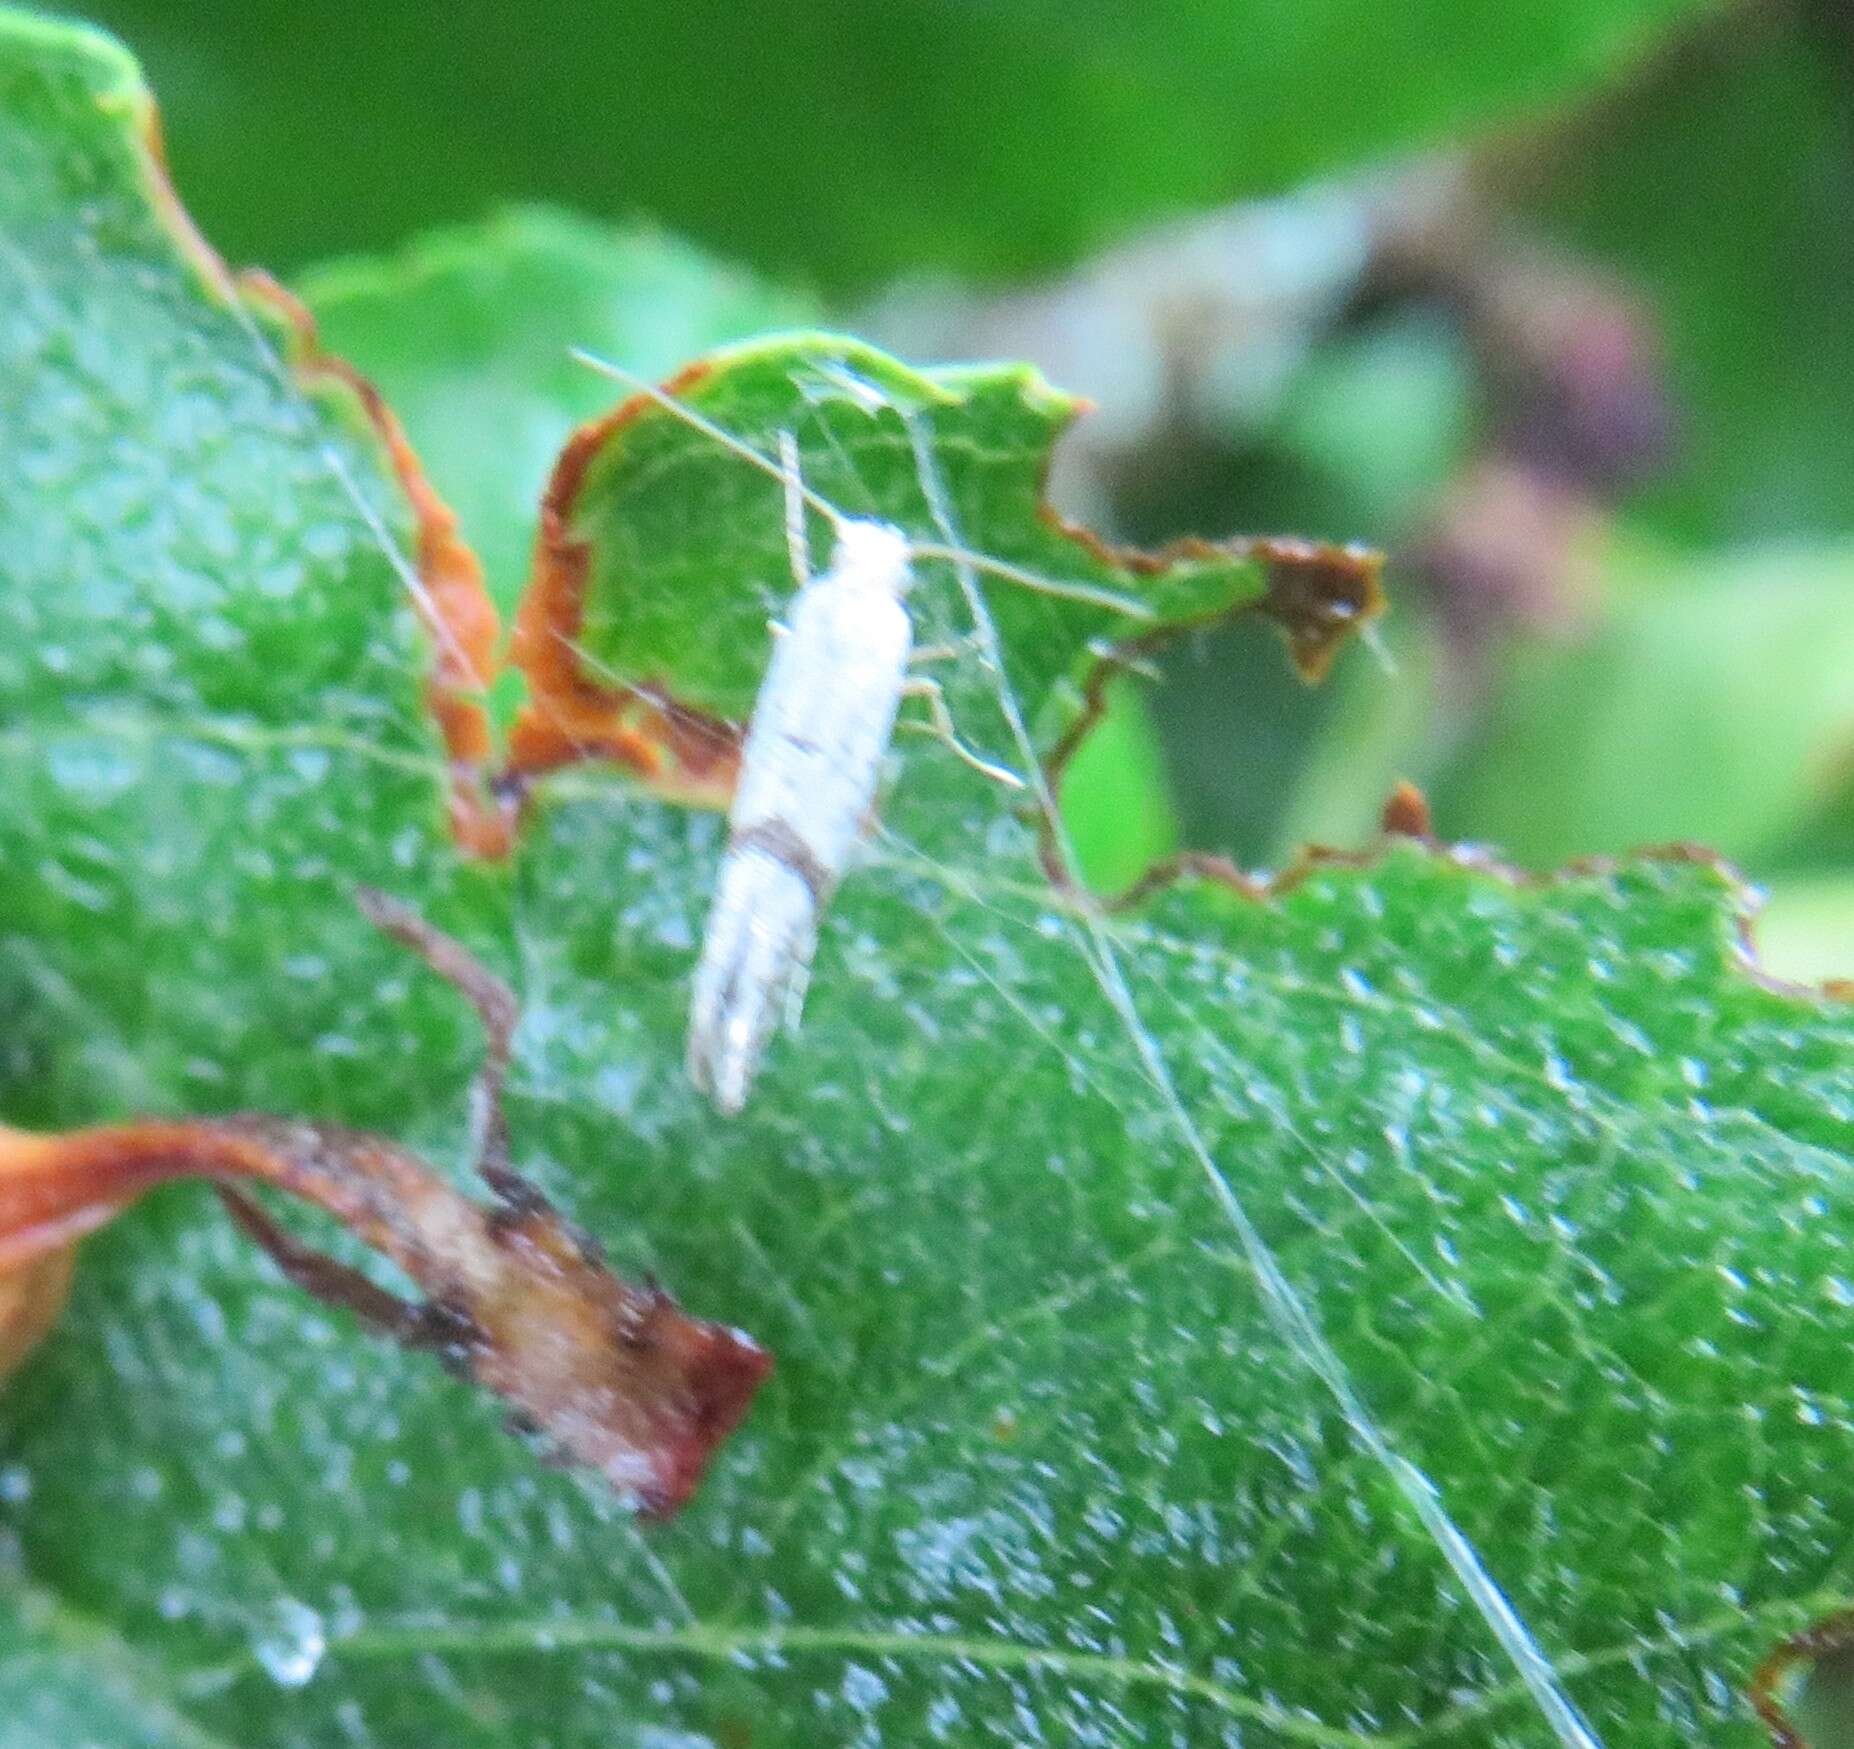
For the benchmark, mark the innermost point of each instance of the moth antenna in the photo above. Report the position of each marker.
(797, 540)
(707, 427)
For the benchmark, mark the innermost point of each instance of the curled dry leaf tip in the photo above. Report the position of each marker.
(615, 1376)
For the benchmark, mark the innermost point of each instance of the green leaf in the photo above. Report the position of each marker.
(1714, 703)
(846, 143)
(1561, 1189)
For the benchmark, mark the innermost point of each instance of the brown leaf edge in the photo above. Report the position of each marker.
(1317, 593)
(571, 715)
(31, 1297)
(1405, 817)
(453, 601)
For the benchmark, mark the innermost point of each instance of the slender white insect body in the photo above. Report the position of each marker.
(823, 720)
(808, 773)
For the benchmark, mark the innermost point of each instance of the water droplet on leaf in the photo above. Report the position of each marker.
(291, 1645)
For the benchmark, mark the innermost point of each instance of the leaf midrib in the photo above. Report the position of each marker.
(518, 1636)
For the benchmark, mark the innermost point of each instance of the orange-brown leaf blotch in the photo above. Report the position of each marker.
(618, 1376)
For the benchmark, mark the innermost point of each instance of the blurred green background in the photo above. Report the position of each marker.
(1553, 299)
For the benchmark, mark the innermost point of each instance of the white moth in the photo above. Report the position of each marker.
(808, 773)
(809, 769)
